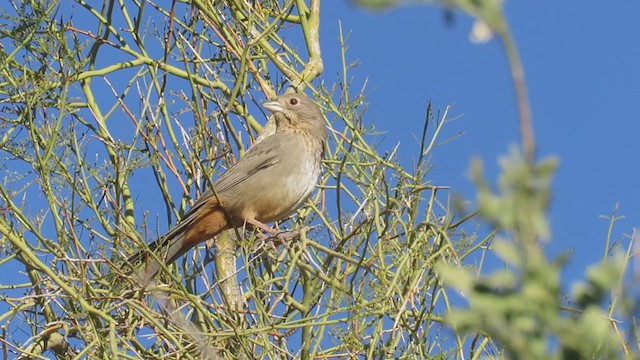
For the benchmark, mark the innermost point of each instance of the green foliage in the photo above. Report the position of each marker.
(524, 189)
(521, 307)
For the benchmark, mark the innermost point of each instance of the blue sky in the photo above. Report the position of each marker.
(582, 64)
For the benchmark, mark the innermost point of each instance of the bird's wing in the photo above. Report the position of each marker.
(255, 161)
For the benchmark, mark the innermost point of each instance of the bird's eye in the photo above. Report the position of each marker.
(293, 101)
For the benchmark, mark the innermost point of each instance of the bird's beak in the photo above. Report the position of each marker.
(273, 106)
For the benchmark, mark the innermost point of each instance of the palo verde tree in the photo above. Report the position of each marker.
(116, 116)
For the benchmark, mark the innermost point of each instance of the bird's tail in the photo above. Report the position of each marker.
(146, 263)
(202, 223)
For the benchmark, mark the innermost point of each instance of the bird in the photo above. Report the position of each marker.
(272, 180)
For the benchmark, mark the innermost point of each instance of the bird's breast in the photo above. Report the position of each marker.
(290, 188)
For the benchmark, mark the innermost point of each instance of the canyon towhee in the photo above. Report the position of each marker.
(267, 184)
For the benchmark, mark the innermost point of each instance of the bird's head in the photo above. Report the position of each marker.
(296, 111)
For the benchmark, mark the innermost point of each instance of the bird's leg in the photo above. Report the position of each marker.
(284, 237)
(263, 237)
(262, 226)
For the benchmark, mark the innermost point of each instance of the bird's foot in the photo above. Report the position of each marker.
(283, 238)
